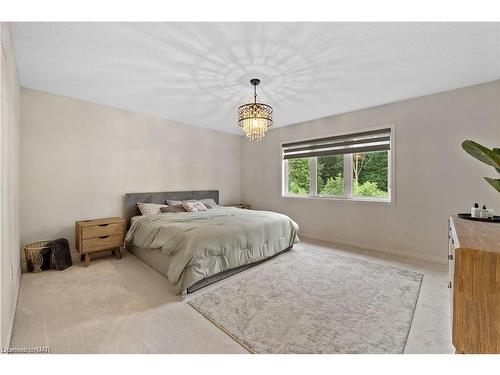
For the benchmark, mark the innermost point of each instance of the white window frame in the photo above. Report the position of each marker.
(347, 197)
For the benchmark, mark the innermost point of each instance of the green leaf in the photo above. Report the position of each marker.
(495, 182)
(497, 152)
(484, 154)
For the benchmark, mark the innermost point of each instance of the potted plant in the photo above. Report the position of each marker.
(488, 156)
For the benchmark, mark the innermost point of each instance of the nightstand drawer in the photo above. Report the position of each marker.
(102, 230)
(102, 243)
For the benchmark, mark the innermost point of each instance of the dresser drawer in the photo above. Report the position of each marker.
(451, 269)
(102, 230)
(102, 243)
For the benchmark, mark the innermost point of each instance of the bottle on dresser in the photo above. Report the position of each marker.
(484, 212)
(491, 213)
(481, 213)
(475, 211)
(487, 213)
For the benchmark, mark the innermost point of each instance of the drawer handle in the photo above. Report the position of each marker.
(449, 285)
(103, 225)
(104, 237)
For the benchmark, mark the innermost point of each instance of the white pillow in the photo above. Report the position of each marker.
(209, 203)
(150, 208)
(194, 206)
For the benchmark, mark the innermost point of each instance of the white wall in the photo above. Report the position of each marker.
(78, 159)
(9, 202)
(435, 178)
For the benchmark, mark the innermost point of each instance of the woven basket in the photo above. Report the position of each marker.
(32, 252)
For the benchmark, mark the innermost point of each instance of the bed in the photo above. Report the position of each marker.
(195, 249)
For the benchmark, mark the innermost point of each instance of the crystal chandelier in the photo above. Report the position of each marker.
(255, 118)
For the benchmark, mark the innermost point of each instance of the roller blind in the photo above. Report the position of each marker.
(373, 140)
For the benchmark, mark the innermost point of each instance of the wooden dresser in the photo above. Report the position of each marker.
(94, 236)
(474, 266)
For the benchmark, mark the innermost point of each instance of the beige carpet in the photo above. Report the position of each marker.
(124, 306)
(113, 306)
(316, 302)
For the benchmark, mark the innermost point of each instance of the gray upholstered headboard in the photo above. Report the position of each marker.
(131, 199)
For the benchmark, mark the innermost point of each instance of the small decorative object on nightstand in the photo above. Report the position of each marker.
(239, 205)
(95, 236)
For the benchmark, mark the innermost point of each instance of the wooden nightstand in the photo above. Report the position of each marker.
(239, 205)
(95, 236)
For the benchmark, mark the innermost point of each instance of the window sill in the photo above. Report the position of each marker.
(386, 202)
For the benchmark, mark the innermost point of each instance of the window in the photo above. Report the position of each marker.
(369, 177)
(299, 176)
(330, 175)
(353, 166)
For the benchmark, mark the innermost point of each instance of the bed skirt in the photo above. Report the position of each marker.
(161, 261)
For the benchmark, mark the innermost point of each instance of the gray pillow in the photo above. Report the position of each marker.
(173, 203)
(172, 209)
(209, 203)
(177, 203)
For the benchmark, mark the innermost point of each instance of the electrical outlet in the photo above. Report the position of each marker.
(11, 273)
(350, 221)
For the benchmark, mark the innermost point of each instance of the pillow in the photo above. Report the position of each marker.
(178, 203)
(172, 209)
(173, 203)
(209, 203)
(150, 208)
(194, 206)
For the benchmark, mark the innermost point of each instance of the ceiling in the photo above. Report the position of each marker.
(198, 73)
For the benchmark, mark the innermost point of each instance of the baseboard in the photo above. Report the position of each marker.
(75, 257)
(13, 313)
(408, 254)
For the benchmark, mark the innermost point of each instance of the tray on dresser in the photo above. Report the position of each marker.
(495, 219)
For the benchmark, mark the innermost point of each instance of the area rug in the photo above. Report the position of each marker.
(314, 301)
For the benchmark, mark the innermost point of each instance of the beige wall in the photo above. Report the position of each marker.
(9, 202)
(78, 159)
(434, 177)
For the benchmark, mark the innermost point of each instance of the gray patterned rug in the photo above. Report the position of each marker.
(314, 301)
